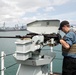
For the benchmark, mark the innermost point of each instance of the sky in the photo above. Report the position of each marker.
(20, 12)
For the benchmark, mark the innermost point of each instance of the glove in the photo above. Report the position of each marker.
(59, 37)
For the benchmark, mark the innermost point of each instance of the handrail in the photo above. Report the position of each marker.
(2, 62)
(53, 50)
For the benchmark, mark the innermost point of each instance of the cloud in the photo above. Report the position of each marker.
(66, 15)
(59, 2)
(47, 9)
(13, 10)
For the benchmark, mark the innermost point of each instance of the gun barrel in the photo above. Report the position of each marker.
(17, 36)
(7, 37)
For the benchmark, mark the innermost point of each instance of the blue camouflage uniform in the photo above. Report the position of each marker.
(70, 38)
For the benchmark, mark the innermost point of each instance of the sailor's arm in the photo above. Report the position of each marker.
(64, 44)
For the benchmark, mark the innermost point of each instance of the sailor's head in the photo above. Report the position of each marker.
(64, 26)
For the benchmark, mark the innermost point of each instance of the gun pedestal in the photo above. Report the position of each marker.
(28, 55)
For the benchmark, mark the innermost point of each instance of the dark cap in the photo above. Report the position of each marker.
(62, 24)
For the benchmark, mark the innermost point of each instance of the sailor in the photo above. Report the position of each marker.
(68, 43)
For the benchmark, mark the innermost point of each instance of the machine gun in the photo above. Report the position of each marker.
(46, 37)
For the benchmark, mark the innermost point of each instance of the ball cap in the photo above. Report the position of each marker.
(62, 24)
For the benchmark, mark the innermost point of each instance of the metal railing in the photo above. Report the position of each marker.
(3, 68)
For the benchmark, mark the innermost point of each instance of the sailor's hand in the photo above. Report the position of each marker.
(59, 37)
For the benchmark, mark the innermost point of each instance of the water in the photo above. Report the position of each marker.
(8, 46)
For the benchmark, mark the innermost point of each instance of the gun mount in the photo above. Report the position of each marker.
(29, 52)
